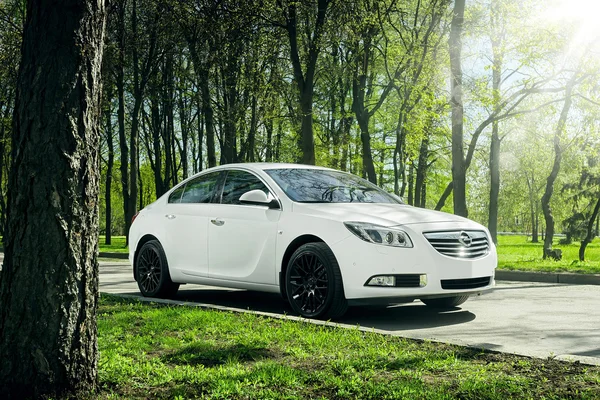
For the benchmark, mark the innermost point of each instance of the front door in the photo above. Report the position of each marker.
(242, 238)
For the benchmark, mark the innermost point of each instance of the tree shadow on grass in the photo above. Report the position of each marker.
(199, 353)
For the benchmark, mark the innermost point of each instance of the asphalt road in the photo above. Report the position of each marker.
(534, 319)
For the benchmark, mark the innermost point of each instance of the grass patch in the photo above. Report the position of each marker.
(151, 351)
(117, 245)
(518, 253)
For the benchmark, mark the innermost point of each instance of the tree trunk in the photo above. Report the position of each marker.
(494, 164)
(49, 281)
(123, 147)
(458, 158)
(532, 208)
(4, 161)
(497, 40)
(590, 231)
(367, 156)
(305, 78)
(251, 145)
(157, 166)
(207, 110)
(183, 121)
(422, 172)
(109, 172)
(560, 128)
(411, 181)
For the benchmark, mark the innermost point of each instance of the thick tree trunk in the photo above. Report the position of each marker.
(456, 101)
(49, 281)
(560, 127)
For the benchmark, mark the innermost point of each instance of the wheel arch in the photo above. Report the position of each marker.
(292, 247)
(143, 240)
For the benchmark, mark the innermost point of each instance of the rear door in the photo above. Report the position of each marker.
(242, 238)
(186, 220)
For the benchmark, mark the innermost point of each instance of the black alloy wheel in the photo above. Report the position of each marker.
(314, 284)
(152, 273)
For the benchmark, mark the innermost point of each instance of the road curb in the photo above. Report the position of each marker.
(122, 256)
(547, 277)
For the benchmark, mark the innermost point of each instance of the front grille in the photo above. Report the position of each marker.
(471, 283)
(459, 244)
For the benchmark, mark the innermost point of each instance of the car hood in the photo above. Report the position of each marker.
(381, 214)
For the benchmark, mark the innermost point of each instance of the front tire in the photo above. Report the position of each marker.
(152, 272)
(314, 285)
(445, 302)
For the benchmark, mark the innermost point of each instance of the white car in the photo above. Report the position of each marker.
(322, 238)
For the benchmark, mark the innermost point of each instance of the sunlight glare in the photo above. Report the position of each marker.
(583, 16)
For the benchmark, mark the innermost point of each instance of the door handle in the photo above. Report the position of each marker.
(217, 221)
(170, 216)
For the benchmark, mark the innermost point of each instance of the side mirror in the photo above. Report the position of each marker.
(258, 198)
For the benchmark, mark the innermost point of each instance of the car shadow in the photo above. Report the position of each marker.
(394, 318)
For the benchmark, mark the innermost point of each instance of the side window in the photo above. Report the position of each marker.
(200, 189)
(239, 182)
(175, 197)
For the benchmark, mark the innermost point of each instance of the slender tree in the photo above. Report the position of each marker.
(459, 168)
(49, 281)
(304, 72)
(558, 153)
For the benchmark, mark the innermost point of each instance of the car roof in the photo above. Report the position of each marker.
(266, 166)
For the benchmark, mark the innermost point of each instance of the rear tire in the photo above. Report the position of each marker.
(152, 272)
(314, 285)
(445, 302)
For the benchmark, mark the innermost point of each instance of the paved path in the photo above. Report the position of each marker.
(534, 319)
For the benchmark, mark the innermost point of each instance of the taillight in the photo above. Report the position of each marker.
(134, 217)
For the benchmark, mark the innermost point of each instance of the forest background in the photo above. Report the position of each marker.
(501, 107)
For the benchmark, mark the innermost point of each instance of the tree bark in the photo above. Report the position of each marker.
(558, 133)
(49, 281)
(456, 102)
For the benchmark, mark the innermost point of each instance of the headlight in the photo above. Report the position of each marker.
(379, 234)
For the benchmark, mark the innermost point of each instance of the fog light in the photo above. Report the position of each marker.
(422, 280)
(382, 281)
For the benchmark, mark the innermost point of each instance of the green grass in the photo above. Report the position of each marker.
(518, 253)
(117, 245)
(151, 351)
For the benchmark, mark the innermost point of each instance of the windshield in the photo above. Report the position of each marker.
(324, 186)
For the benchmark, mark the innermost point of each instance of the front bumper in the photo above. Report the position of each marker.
(359, 261)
